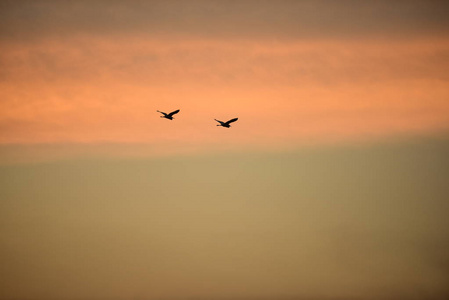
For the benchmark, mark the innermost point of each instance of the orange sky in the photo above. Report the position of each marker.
(95, 90)
(294, 73)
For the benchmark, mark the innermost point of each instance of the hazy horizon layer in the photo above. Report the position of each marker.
(345, 222)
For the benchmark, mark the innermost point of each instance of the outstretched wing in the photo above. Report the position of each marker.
(232, 120)
(162, 112)
(173, 113)
(219, 121)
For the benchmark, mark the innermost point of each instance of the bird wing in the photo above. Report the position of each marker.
(173, 113)
(162, 112)
(219, 121)
(232, 120)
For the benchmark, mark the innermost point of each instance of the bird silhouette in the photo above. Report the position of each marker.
(170, 115)
(226, 124)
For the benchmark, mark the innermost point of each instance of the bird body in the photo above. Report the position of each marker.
(170, 115)
(227, 123)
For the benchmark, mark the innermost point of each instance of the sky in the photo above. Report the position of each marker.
(329, 186)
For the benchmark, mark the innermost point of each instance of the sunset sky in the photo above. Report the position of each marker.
(331, 185)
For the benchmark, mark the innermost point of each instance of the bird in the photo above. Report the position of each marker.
(226, 124)
(170, 115)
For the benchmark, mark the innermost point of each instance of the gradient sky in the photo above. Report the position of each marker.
(294, 72)
(331, 184)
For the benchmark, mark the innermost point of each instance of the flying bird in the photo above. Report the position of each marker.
(170, 115)
(226, 124)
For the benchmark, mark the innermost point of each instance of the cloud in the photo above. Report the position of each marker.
(87, 89)
(246, 19)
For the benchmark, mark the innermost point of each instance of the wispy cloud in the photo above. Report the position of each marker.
(107, 90)
(243, 19)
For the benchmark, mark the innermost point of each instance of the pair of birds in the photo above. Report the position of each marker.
(170, 117)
